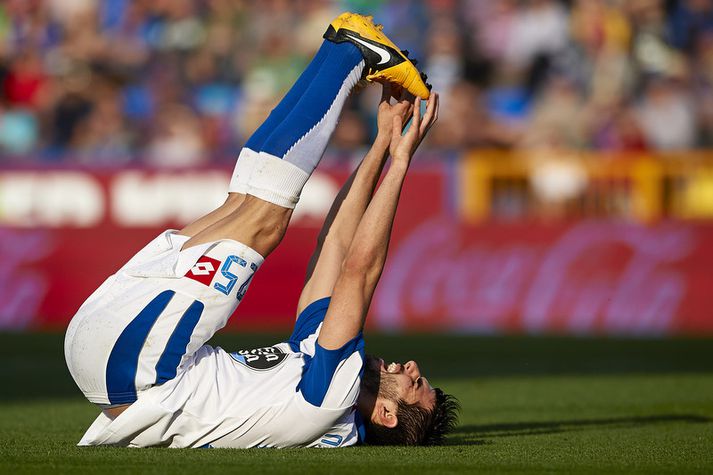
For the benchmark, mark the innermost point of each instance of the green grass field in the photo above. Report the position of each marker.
(529, 405)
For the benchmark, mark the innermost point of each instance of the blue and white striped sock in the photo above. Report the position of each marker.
(279, 158)
(248, 155)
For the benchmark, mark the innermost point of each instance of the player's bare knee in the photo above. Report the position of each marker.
(231, 204)
(265, 222)
(273, 229)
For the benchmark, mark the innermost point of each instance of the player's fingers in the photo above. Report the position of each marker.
(396, 128)
(405, 115)
(403, 109)
(416, 121)
(431, 113)
(428, 116)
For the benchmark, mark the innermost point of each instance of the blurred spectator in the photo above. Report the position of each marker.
(465, 121)
(689, 19)
(444, 57)
(351, 133)
(18, 131)
(176, 141)
(667, 116)
(557, 120)
(102, 136)
(539, 29)
(24, 81)
(185, 81)
(615, 127)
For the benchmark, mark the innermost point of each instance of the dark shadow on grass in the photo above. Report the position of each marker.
(479, 434)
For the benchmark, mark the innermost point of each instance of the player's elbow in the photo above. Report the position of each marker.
(363, 262)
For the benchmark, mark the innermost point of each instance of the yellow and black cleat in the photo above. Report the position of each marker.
(336, 25)
(384, 60)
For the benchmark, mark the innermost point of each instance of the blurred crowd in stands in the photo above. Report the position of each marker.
(183, 82)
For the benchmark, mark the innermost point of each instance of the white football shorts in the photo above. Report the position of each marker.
(139, 328)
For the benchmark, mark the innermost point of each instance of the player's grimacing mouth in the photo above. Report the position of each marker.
(380, 365)
(393, 367)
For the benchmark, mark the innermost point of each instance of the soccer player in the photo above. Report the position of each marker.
(136, 347)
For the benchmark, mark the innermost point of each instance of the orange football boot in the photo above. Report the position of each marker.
(384, 60)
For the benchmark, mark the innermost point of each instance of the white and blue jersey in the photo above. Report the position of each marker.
(140, 339)
(293, 394)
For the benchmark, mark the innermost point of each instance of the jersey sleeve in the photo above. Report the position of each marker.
(304, 335)
(331, 378)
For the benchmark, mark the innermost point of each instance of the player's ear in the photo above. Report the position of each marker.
(386, 413)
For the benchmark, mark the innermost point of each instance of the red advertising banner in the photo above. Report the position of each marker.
(63, 232)
(590, 277)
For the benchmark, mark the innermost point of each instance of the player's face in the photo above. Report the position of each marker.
(406, 382)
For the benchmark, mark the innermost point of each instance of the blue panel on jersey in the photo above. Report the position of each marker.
(308, 321)
(361, 427)
(316, 100)
(318, 372)
(124, 357)
(178, 342)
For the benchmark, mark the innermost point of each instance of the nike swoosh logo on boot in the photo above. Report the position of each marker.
(383, 54)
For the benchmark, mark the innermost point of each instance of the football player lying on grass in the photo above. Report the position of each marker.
(136, 347)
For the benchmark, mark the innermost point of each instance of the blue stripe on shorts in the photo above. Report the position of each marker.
(178, 342)
(123, 361)
(124, 358)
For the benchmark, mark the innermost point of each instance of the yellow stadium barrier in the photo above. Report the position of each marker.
(644, 187)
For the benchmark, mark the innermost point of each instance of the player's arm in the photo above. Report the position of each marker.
(349, 206)
(364, 262)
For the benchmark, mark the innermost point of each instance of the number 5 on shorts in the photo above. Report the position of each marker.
(232, 278)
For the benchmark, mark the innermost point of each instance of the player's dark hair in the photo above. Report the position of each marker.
(418, 426)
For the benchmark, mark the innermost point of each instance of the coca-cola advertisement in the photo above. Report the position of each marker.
(442, 274)
(580, 278)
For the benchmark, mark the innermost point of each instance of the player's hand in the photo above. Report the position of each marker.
(403, 108)
(402, 147)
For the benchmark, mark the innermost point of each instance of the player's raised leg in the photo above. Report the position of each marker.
(298, 129)
(273, 176)
(277, 173)
(246, 159)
